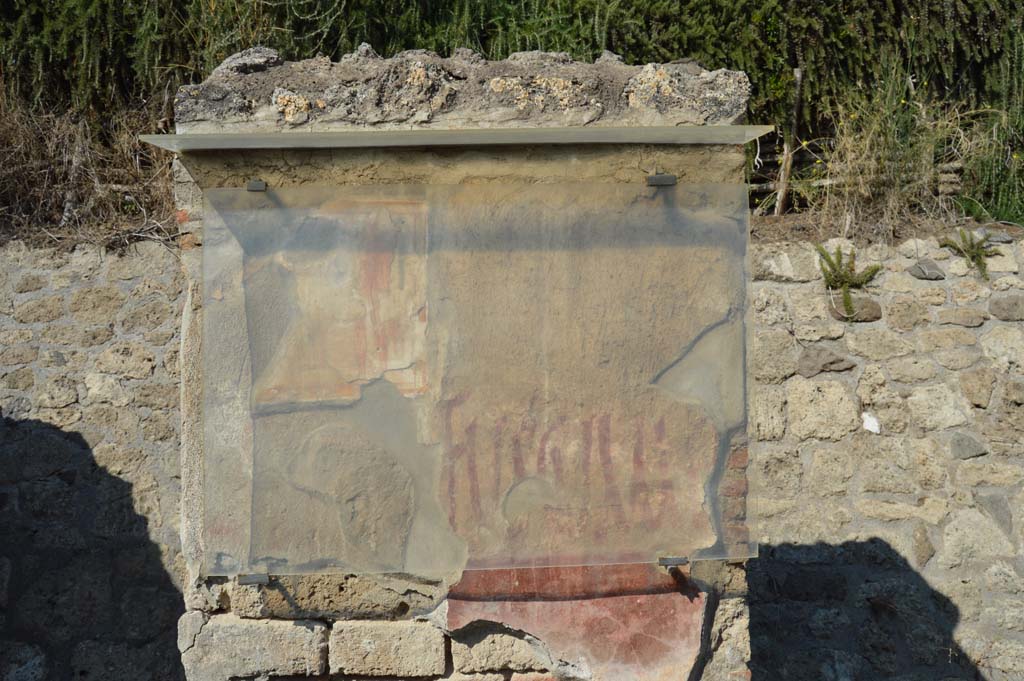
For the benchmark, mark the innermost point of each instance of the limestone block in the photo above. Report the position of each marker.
(774, 356)
(885, 403)
(930, 510)
(962, 316)
(922, 546)
(730, 642)
(816, 331)
(29, 282)
(877, 344)
(228, 647)
(865, 309)
(128, 359)
(888, 477)
(963, 446)
(816, 359)
(36, 310)
(1005, 344)
(15, 336)
(934, 340)
(926, 269)
(968, 290)
(897, 282)
(487, 651)
(918, 248)
(808, 303)
(146, 317)
(957, 358)
(189, 626)
(977, 385)
(387, 649)
(1003, 261)
(1002, 577)
(989, 473)
(19, 379)
(767, 413)
(75, 335)
(959, 267)
(55, 393)
(1009, 307)
(96, 305)
(776, 472)
(933, 295)
(335, 597)
(905, 312)
(13, 356)
(104, 388)
(830, 471)
(1009, 616)
(820, 409)
(772, 262)
(911, 369)
(929, 464)
(22, 662)
(1007, 283)
(935, 407)
(972, 536)
(770, 306)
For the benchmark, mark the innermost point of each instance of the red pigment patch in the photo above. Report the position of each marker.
(632, 622)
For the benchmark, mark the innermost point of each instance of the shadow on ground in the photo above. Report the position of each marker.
(83, 594)
(850, 612)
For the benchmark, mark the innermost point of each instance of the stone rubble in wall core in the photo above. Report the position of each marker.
(256, 90)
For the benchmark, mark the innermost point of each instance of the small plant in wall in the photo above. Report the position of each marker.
(841, 275)
(973, 249)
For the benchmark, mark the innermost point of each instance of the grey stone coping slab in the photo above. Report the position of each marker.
(689, 134)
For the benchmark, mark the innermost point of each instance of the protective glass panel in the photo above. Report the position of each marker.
(425, 379)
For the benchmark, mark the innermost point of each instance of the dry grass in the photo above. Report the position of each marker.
(65, 181)
(892, 164)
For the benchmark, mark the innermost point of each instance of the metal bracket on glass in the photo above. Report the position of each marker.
(661, 180)
(253, 579)
(256, 186)
(673, 561)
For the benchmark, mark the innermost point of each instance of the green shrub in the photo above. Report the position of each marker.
(91, 54)
(889, 144)
(994, 168)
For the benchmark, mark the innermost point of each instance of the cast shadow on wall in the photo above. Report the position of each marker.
(83, 594)
(856, 611)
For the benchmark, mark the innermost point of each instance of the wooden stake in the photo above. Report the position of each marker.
(788, 144)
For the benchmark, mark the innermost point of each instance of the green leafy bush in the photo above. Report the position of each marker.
(994, 168)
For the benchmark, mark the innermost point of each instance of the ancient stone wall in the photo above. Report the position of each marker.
(90, 564)
(883, 554)
(887, 466)
(884, 476)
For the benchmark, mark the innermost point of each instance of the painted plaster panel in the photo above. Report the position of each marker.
(431, 378)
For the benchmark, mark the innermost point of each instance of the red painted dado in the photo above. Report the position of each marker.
(634, 621)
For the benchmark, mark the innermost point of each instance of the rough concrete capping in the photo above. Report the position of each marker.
(256, 90)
